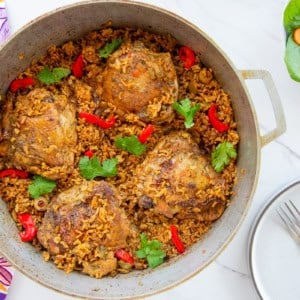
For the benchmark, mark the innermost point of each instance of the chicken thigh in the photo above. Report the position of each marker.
(174, 179)
(86, 219)
(38, 133)
(139, 81)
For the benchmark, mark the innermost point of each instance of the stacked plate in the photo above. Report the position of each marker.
(274, 257)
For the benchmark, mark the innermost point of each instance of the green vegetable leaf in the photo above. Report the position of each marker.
(40, 186)
(110, 48)
(151, 250)
(91, 168)
(155, 260)
(144, 240)
(292, 58)
(184, 107)
(130, 144)
(56, 75)
(140, 253)
(291, 16)
(221, 156)
(109, 167)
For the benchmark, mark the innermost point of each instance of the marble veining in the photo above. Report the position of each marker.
(232, 270)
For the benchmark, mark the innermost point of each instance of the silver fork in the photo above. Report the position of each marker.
(290, 215)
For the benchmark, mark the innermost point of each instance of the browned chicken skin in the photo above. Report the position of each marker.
(139, 81)
(172, 177)
(67, 225)
(38, 133)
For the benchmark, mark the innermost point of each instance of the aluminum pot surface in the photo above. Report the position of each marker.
(72, 21)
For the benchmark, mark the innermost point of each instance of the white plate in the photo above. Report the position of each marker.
(274, 256)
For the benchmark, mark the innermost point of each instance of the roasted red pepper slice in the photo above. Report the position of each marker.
(146, 133)
(78, 66)
(14, 173)
(124, 256)
(93, 119)
(21, 83)
(176, 239)
(89, 153)
(187, 56)
(215, 122)
(28, 224)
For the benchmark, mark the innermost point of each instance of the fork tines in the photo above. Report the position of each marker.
(290, 215)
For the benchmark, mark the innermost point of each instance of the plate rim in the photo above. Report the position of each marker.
(256, 223)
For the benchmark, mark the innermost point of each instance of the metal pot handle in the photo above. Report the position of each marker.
(266, 77)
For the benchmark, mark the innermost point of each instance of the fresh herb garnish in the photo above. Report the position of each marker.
(291, 16)
(40, 186)
(291, 21)
(130, 144)
(110, 48)
(221, 156)
(56, 75)
(91, 168)
(151, 250)
(184, 107)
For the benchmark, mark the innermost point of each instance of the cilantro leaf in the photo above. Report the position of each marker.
(56, 75)
(221, 156)
(40, 186)
(130, 144)
(151, 250)
(91, 168)
(141, 253)
(291, 16)
(184, 108)
(155, 260)
(110, 48)
(109, 167)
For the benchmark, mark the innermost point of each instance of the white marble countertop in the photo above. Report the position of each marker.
(251, 33)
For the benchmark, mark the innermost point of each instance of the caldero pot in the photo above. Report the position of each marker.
(72, 21)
